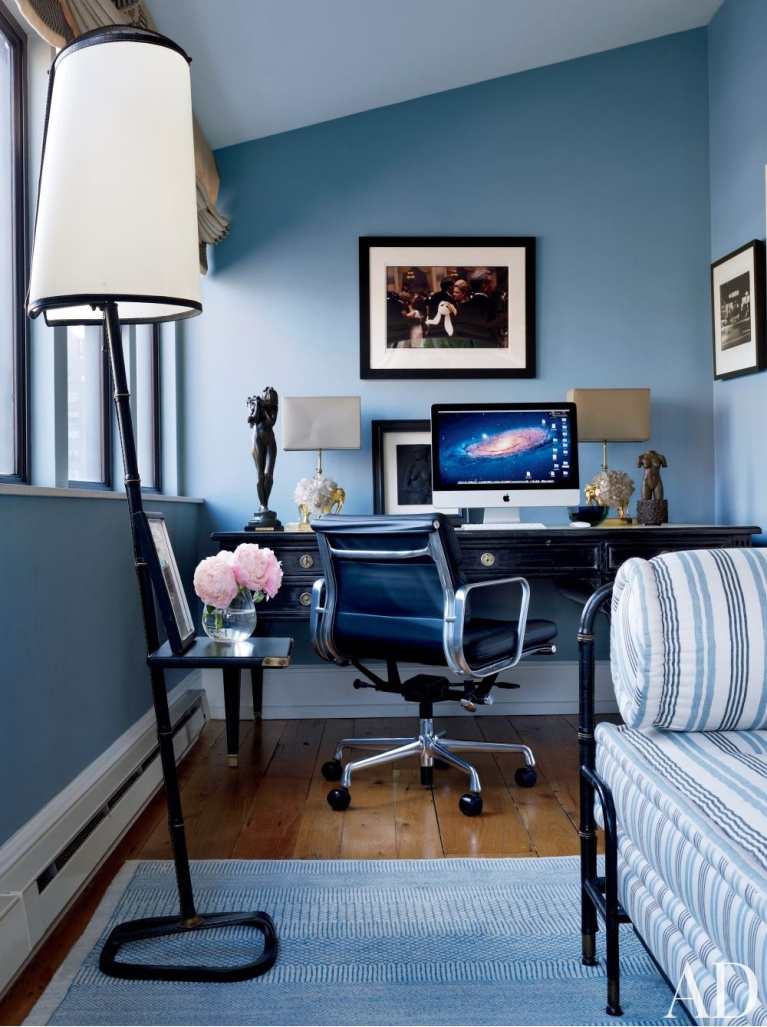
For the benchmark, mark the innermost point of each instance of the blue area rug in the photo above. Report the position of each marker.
(457, 941)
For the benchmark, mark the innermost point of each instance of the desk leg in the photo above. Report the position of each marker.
(232, 712)
(257, 686)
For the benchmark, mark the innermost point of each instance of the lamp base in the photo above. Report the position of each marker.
(154, 927)
(264, 520)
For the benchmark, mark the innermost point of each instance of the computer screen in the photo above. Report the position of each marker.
(502, 456)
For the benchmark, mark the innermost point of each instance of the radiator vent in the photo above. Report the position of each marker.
(50, 872)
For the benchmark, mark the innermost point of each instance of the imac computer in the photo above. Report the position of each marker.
(502, 456)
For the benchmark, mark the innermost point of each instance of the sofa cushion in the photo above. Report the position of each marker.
(692, 837)
(689, 640)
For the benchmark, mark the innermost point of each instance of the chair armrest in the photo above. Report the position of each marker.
(471, 599)
(316, 614)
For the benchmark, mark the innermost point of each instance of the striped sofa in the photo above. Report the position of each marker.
(683, 781)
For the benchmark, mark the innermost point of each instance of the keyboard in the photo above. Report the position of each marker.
(523, 526)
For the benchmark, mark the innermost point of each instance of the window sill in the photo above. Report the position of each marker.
(74, 493)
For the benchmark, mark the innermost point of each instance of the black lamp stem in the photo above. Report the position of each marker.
(159, 694)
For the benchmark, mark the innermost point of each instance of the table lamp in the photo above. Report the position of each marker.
(116, 243)
(320, 422)
(612, 415)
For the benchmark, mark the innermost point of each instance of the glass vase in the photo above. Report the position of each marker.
(234, 623)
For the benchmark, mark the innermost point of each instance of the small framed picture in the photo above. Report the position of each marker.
(447, 308)
(737, 303)
(169, 590)
(402, 468)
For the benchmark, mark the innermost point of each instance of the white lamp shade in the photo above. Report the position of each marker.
(117, 202)
(612, 415)
(321, 422)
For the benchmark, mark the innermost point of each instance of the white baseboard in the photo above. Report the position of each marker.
(46, 863)
(311, 692)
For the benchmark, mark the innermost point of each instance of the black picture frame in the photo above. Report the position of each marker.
(737, 311)
(166, 582)
(400, 486)
(487, 337)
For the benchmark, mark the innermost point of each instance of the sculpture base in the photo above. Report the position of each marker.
(652, 511)
(264, 520)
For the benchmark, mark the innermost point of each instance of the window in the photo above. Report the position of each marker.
(13, 253)
(89, 413)
(146, 393)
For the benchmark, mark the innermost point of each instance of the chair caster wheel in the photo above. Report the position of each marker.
(332, 770)
(339, 799)
(470, 804)
(525, 777)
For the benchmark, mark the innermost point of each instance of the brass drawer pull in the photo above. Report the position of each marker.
(487, 559)
(307, 561)
(305, 599)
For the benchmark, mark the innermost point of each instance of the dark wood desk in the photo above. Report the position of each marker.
(580, 559)
(592, 555)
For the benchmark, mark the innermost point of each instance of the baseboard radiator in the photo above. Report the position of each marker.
(46, 864)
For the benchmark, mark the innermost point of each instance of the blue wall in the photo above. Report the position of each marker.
(738, 133)
(74, 674)
(603, 159)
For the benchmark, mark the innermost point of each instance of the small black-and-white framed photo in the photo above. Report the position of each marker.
(737, 306)
(402, 468)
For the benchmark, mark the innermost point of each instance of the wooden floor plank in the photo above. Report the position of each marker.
(273, 821)
(321, 829)
(416, 827)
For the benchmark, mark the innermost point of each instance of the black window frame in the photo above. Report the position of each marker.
(17, 40)
(155, 400)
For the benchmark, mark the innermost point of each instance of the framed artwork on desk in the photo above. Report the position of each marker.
(737, 309)
(437, 307)
(174, 608)
(402, 469)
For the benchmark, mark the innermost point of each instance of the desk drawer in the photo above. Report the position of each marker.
(302, 562)
(293, 600)
(618, 553)
(529, 560)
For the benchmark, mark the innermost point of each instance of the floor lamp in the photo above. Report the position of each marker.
(116, 243)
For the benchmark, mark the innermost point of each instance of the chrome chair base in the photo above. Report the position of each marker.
(429, 746)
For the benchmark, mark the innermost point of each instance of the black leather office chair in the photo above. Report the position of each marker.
(393, 590)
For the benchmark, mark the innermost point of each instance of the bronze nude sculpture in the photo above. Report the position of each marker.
(652, 486)
(262, 416)
(652, 508)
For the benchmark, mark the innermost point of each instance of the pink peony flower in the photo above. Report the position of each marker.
(251, 565)
(214, 580)
(257, 569)
(274, 577)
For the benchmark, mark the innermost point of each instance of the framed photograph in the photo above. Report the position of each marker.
(737, 305)
(447, 308)
(402, 468)
(168, 587)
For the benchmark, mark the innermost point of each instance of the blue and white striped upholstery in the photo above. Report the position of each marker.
(689, 641)
(692, 842)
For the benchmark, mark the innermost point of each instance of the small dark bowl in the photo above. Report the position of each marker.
(591, 515)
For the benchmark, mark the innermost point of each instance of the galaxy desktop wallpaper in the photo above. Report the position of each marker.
(504, 447)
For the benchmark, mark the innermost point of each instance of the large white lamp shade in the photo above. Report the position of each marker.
(117, 207)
